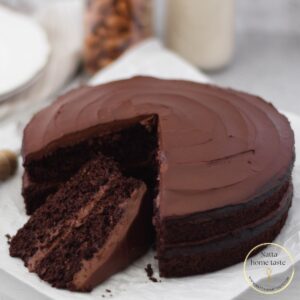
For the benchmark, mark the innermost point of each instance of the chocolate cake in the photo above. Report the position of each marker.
(87, 230)
(217, 163)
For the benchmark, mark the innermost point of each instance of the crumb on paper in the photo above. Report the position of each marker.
(8, 237)
(150, 273)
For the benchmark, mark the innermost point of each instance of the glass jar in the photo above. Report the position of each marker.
(202, 31)
(111, 27)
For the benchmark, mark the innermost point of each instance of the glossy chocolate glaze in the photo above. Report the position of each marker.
(218, 147)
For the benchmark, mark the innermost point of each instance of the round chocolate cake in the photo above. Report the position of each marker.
(216, 162)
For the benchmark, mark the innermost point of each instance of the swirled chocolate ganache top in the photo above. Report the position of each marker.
(217, 147)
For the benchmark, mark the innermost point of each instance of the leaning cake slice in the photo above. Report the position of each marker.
(87, 230)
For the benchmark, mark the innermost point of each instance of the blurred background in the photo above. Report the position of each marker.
(258, 41)
(267, 53)
(266, 58)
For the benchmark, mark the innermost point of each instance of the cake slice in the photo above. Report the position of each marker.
(88, 229)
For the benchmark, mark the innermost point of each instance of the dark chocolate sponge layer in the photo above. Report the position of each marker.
(202, 225)
(36, 193)
(135, 149)
(221, 251)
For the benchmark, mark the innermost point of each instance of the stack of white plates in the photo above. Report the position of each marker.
(24, 52)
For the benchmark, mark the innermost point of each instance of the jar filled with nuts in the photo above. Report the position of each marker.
(111, 27)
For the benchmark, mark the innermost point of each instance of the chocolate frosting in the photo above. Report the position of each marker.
(218, 147)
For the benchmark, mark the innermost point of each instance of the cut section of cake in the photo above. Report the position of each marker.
(134, 147)
(87, 230)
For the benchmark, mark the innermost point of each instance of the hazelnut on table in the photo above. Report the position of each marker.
(8, 164)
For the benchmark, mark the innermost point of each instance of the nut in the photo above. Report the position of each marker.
(115, 21)
(8, 164)
(104, 62)
(92, 41)
(114, 44)
(112, 26)
(122, 8)
(99, 6)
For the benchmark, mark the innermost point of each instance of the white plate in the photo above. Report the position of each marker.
(24, 52)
